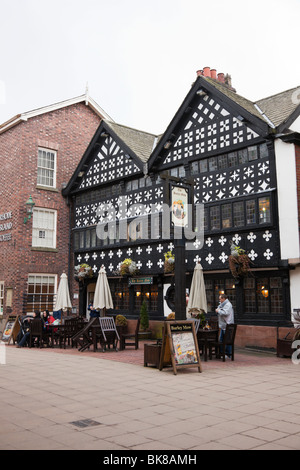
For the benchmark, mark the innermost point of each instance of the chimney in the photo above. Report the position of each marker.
(221, 77)
(213, 74)
(206, 72)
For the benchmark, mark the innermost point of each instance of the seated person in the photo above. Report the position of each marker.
(93, 312)
(57, 315)
(24, 340)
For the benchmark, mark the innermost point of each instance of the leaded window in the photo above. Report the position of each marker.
(263, 295)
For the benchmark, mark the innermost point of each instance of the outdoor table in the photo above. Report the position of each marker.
(204, 337)
(50, 330)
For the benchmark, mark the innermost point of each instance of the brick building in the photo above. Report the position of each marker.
(39, 152)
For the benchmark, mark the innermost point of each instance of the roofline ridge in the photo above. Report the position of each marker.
(132, 128)
(276, 94)
(88, 100)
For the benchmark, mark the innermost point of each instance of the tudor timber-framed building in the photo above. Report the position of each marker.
(242, 157)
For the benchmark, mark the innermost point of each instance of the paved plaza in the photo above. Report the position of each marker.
(63, 399)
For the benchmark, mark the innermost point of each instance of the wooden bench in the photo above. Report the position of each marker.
(284, 345)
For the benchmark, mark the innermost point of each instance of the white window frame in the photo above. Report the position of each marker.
(38, 296)
(1, 297)
(46, 169)
(44, 231)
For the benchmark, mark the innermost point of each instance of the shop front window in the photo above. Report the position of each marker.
(215, 287)
(120, 295)
(149, 293)
(263, 295)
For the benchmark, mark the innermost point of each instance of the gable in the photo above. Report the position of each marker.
(110, 162)
(210, 129)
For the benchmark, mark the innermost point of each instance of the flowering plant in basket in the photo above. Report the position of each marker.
(128, 267)
(169, 265)
(83, 271)
(239, 262)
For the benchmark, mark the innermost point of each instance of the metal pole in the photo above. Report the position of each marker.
(180, 281)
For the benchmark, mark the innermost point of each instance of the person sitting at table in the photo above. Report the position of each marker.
(26, 336)
(57, 315)
(93, 312)
(51, 319)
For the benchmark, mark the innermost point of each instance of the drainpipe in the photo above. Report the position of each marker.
(69, 250)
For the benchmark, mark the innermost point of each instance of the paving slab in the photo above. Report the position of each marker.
(63, 399)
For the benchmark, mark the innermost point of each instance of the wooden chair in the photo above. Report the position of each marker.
(36, 332)
(131, 339)
(108, 334)
(69, 329)
(84, 337)
(197, 324)
(220, 346)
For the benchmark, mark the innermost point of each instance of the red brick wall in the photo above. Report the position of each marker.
(68, 131)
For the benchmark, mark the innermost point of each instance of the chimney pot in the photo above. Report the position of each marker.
(199, 73)
(221, 77)
(206, 72)
(213, 74)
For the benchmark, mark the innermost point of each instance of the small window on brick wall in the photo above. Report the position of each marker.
(44, 228)
(46, 168)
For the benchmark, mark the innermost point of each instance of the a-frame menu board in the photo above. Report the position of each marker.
(180, 346)
(11, 329)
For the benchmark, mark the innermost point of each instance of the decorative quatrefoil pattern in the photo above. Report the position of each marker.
(210, 128)
(110, 163)
(213, 255)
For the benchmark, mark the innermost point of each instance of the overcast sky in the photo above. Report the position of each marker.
(140, 57)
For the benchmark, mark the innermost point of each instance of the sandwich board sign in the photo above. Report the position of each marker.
(12, 328)
(180, 346)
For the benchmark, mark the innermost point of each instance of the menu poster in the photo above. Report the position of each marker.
(180, 339)
(12, 327)
(183, 344)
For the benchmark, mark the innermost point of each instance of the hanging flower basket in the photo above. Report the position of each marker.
(128, 267)
(82, 272)
(239, 262)
(169, 265)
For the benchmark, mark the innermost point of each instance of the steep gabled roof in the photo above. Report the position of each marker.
(142, 143)
(233, 102)
(282, 107)
(137, 144)
(243, 102)
(53, 107)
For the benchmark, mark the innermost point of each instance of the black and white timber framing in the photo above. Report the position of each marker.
(223, 143)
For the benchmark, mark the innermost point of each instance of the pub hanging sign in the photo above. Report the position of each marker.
(179, 201)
